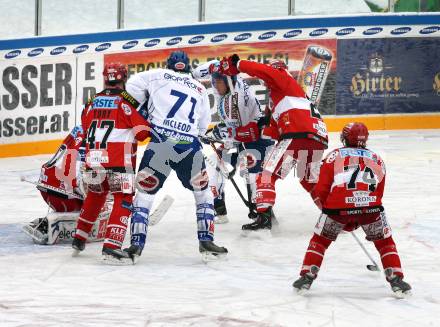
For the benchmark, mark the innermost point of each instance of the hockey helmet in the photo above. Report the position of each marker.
(214, 69)
(114, 73)
(354, 135)
(179, 62)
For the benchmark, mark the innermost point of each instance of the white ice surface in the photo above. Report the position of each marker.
(170, 286)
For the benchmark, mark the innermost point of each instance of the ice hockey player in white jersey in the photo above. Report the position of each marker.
(177, 107)
(242, 147)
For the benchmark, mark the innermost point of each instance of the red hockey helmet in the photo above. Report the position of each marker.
(114, 72)
(277, 64)
(355, 135)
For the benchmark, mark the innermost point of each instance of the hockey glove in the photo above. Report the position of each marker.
(228, 66)
(247, 133)
(221, 132)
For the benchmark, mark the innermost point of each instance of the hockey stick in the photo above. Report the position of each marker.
(227, 175)
(161, 210)
(234, 97)
(52, 188)
(374, 266)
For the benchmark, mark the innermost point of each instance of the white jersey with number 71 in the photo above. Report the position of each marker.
(175, 103)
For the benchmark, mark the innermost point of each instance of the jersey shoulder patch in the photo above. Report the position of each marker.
(127, 97)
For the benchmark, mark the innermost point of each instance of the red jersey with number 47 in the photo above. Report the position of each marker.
(294, 114)
(350, 178)
(112, 127)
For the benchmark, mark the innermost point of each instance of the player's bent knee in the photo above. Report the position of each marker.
(148, 182)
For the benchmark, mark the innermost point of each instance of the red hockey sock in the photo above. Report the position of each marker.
(89, 213)
(315, 253)
(117, 223)
(388, 255)
(265, 191)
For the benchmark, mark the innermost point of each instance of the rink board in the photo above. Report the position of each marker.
(385, 70)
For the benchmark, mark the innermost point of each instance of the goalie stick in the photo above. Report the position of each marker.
(155, 217)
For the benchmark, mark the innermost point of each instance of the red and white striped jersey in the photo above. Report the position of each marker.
(293, 113)
(112, 126)
(350, 178)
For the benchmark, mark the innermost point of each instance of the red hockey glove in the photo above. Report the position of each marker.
(228, 66)
(247, 133)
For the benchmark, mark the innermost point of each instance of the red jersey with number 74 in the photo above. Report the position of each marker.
(112, 127)
(350, 178)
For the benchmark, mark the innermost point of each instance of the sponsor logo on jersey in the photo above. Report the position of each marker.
(196, 39)
(292, 33)
(151, 43)
(187, 81)
(318, 32)
(360, 199)
(130, 99)
(35, 52)
(174, 135)
(242, 37)
(219, 38)
(57, 51)
(12, 54)
(80, 48)
(429, 29)
(267, 35)
(130, 44)
(400, 30)
(345, 31)
(124, 220)
(103, 47)
(174, 40)
(351, 152)
(126, 109)
(105, 102)
(97, 157)
(321, 128)
(372, 31)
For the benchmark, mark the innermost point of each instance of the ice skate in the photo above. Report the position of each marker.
(134, 251)
(210, 251)
(400, 288)
(37, 229)
(263, 221)
(303, 283)
(116, 257)
(78, 246)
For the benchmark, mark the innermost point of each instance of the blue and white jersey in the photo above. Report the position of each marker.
(176, 104)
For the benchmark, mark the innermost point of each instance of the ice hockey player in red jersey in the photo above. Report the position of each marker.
(295, 124)
(112, 126)
(60, 187)
(349, 191)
